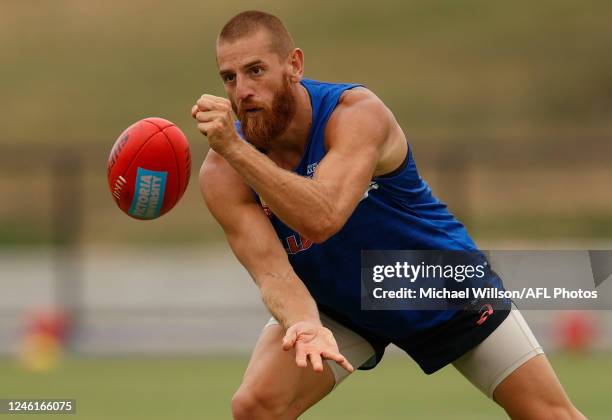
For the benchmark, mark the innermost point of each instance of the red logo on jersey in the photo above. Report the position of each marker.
(293, 246)
(485, 312)
(265, 208)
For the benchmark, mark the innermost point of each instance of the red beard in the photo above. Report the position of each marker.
(269, 122)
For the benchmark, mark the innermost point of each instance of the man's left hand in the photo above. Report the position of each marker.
(313, 343)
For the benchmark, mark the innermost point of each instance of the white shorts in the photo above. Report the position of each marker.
(486, 365)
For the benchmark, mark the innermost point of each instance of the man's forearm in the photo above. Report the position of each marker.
(286, 193)
(288, 300)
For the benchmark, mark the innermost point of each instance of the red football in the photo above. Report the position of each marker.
(149, 168)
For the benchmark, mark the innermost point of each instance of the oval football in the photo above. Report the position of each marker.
(149, 168)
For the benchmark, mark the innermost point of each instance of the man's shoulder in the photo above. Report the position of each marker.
(362, 121)
(360, 104)
(358, 95)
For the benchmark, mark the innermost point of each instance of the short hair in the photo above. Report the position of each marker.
(249, 22)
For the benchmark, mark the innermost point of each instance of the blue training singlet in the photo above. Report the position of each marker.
(398, 212)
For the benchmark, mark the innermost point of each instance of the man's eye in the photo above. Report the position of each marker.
(256, 70)
(229, 78)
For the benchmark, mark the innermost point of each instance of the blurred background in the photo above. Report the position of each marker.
(508, 109)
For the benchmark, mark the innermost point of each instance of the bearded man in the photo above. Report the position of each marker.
(310, 175)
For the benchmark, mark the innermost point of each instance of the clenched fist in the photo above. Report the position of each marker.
(215, 121)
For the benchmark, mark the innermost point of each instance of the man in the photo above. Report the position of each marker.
(311, 174)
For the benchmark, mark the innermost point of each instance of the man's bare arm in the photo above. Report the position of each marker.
(254, 242)
(357, 132)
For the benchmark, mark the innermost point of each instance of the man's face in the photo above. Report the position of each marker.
(257, 83)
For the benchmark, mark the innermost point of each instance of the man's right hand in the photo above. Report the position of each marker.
(313, 342)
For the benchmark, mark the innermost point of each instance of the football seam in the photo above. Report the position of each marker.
(135, 158)
(171, 124)
(178, 170)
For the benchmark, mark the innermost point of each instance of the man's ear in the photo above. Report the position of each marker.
(296, 63)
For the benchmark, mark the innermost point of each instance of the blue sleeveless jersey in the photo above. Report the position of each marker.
(398, 212)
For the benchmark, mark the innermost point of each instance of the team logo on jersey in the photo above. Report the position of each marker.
(295, 245)
(373, 186)
(265, 208)
(485, 312)
(311, 168)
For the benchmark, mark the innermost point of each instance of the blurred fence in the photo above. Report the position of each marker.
(167, 293)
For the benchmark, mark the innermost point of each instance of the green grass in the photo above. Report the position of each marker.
(201, 388)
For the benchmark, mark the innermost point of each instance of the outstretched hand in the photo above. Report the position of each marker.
(315, 343)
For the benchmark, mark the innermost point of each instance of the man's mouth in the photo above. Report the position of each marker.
(252, 110)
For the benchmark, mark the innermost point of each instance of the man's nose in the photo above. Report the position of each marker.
(244, 88)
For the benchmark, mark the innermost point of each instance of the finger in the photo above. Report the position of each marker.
(216, 99)
(194, 111)
(205, 128)
(338, 358)
(208, 103)
(206, 116)
(289, 339)
(316, 361)
(204, 104)
(347, 366)
(300, 358)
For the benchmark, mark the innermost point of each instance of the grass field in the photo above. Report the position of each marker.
(200, 388)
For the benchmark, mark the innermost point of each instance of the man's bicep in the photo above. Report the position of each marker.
(355, 138)
(348, 174)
